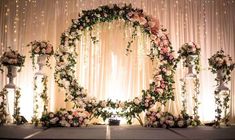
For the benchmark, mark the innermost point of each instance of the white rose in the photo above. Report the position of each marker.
(43, 50)
(121, 104)
(190, 44)
(162, 120)
(158, 83)
(85, 121)
(171, 123)
(158, 115)
(168, 72)
(103, 104)
(110, 6)
(121, 12)
(137, 101)
(188, 121)
(70, 117)
(69, 97)
(153, 37)
(155, 124)
(120, 5)
(66, 83)
(80, 103)
(180, 123)
(159, 77)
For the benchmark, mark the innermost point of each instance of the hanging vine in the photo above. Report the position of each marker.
(196, 120)
(3, 107)
(183, 95)
(44, 95)
(16, 115)
(35, 119)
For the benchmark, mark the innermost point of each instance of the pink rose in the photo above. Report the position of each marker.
(171, 57)
(165, 42)
(81, 119)
(129, 15)
(164, 69)
(163, 85)
(164, 37)
(37, 50)
(165, 49)
(157, 41)
(152, 118)
(159, 90)
(49, 49)
(154, 30)
(153, 37)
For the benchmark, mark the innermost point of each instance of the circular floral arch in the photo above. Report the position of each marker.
(161, 88)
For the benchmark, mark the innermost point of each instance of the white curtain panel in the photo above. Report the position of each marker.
(104, 69)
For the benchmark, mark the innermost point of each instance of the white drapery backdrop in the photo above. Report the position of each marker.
(210, 23)
(105, 68)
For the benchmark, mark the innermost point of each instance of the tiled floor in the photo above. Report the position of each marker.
(115, 132)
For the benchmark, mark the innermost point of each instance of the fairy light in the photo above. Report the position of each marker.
(177, 17)
(66, 12)
(34, 3)
(204, 20)
(5, 28)
(42, 15)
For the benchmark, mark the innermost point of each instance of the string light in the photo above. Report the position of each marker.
(66, 12)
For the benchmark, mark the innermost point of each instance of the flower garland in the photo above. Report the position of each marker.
(167, 120)
(35, 119)
(190, 53)
(16, 115)
(196, 121)
(63, 118)
(3, 110)
(161, 89)
(40, 48)
(44, 95)
(4, 117)
(183, 95)
(12, 58)
(222, 65)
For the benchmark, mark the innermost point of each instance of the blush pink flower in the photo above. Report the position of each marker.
(142, 20)
(165, 49)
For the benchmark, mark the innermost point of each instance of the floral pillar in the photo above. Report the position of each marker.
(221, 65)
(11, 59)
(190, 54)
(43, 50)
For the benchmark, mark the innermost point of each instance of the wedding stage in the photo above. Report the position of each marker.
(116, 132)
(146, 69)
